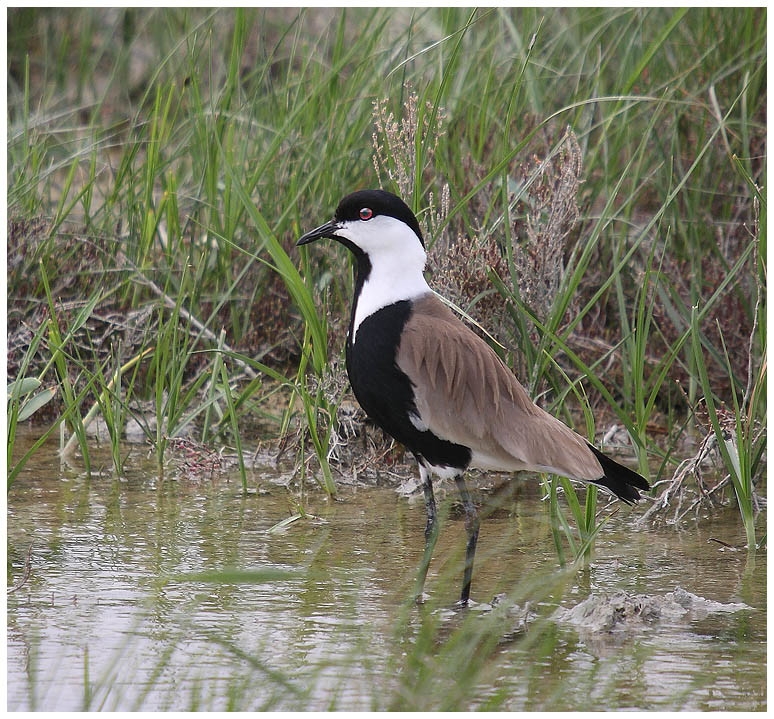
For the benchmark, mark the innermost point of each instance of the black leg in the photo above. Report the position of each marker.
(471, 526)
(431, 531)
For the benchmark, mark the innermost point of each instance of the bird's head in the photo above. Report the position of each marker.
(374, 223)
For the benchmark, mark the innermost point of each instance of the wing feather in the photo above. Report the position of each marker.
(465, 394)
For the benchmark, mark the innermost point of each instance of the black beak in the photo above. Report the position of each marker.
(327, 230)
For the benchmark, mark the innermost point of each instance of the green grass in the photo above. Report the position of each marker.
(182, 153)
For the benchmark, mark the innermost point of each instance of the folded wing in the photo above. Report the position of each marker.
(466, 395)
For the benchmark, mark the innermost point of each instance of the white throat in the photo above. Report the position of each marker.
(386, 285)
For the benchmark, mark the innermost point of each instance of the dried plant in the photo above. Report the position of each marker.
(195, 460)
(682, 498)
(551, 210)
(395, 142)
(462, 273)
(395, 154)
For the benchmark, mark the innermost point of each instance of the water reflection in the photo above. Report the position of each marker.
(116, 613)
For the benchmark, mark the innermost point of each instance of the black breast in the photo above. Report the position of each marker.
(386, 393)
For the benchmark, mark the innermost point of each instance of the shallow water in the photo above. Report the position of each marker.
(149, 594)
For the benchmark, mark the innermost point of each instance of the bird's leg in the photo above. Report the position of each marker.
(431, 531)
(471, 526)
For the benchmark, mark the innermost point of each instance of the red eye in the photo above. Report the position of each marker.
(366, 213)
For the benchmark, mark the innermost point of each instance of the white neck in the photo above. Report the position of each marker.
(397, 261)
(388, 283)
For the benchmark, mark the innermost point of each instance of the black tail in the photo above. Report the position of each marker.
(620, 480)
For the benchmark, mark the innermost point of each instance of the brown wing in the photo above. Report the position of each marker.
(465, 394)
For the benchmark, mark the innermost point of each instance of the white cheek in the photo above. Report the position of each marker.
(380, 234)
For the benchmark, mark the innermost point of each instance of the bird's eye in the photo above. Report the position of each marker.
(366, 213)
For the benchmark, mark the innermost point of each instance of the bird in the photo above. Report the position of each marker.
(436, 387)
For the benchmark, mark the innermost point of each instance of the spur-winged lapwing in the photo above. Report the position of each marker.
(433, 384)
